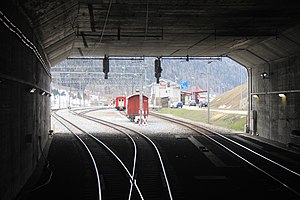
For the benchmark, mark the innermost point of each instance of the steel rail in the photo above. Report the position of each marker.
(186, 124)
(132, 175)
(111, 151)
(147, 138)
(88, 150)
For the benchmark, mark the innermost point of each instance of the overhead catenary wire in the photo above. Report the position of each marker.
(103, 29)
(147, 15)
(106, 18)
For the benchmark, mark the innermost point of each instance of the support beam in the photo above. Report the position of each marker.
(80, 51)
(84, 40)
(92, 21)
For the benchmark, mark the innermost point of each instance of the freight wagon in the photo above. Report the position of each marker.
(120, 103)
(133, 107)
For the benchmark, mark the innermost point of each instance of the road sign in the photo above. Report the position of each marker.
(184, 85)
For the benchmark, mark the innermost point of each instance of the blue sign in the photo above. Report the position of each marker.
(184, 85)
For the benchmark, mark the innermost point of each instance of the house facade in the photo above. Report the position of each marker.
(166, 89)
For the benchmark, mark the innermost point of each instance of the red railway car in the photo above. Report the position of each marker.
(120, 103)
(133, 107)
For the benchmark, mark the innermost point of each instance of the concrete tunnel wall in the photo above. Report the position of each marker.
(25, 116)
(278, 118)
(278, 56)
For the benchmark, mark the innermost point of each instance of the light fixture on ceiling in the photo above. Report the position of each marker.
(281, 95)
(32, 90)
(264, 75)
(255, 96)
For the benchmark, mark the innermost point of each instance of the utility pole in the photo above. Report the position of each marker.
(241, 79)
(141, 94)
(69, 103)
(141, 100)
(59, 95)
(208, 93)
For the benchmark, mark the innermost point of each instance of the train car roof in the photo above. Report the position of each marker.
(136, 94)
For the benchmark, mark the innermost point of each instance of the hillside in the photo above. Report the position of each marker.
(224, 74)
(231, 99)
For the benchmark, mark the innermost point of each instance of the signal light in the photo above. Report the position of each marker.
(157, 79)
(157, 69)
(157, 64)
(105, 66)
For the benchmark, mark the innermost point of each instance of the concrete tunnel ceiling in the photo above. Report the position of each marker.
(250, 32)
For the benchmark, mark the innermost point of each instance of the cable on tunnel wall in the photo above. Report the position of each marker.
(275, 92)
(24, 83)
(10, 26)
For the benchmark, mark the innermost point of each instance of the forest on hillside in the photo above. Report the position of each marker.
(225, 74)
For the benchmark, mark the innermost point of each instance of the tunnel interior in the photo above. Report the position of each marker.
(263, 36)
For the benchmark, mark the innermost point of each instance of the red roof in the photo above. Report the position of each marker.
(197, 90)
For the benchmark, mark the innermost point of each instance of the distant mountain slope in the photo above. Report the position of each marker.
(224, 74)
(232, 99)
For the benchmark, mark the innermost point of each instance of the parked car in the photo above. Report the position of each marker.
(178, 104)
(202, 104)
(192, 103)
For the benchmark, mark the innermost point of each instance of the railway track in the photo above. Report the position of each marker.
(72, 128)
(283, 180)
(142, 167)
(113, 178)
(274, 176)
(150, 171)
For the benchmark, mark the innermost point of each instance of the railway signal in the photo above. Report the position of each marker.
(158, 69)
(105, 66)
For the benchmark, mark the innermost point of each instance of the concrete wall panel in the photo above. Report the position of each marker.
(24, 116)
(278, 118)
